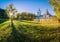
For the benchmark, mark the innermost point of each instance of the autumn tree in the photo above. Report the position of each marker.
(56, 7)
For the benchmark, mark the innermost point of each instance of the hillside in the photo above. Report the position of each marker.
(28, 31)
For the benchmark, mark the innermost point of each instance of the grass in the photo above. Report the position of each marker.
(2, 20)
(28, 31)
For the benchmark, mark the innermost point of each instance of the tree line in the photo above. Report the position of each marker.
(25, 16)
(18, 16)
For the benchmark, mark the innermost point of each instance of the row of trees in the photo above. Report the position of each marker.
(25, 16)
(11, 13)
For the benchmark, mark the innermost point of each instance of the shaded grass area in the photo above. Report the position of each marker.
(14, 34)
(3, 20)
(5, 31)
(19, 31)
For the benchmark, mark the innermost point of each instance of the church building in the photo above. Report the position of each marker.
(46, 15)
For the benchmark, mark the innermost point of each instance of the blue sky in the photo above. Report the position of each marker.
(28, 5)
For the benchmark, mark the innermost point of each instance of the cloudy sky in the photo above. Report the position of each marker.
(28, 5)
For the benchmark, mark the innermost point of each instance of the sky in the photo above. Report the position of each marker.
(31, 6)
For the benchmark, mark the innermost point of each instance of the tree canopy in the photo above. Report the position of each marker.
(3, 14)
(56, 7)
(27, 16)
(11, 10)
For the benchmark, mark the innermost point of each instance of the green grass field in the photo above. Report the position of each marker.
(28, 31)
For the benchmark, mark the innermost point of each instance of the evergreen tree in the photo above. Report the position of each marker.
(3, 14)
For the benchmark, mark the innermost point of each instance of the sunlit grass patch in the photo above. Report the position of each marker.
(28, 31)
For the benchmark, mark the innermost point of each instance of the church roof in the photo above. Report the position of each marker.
(47, 13)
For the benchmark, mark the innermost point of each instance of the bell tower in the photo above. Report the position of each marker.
(39, 12)
(38, 15)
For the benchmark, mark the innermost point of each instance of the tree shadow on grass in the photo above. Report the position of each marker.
(16, 36)
(3, 20)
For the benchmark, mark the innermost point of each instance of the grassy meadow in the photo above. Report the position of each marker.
(28, 31)
(29, 20)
